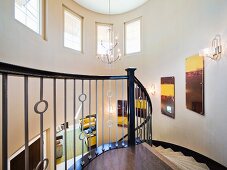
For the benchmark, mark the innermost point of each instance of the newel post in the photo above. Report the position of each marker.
(131, 106)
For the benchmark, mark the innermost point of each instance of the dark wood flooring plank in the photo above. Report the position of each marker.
(132, 158)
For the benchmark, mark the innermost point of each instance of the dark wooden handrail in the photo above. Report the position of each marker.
(15, 70)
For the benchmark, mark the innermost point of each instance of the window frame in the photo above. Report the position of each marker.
(65, 8)
(96, 33)
(129, 22)
(42, 19)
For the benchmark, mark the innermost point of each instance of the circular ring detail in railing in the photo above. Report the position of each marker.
(109, 94)
(82, 136)
(42, 163)
(82, 97)
(110, 123)
(37, 105)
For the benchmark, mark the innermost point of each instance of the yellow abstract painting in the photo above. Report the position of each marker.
(168, 96)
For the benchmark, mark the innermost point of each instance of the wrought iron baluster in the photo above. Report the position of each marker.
(65, 120)
(55, 112)
(123, 112)
(41, 121)
(82, 99)
(103, 115)
(116, 88)
(26, 123)
(41, 112)
(137, 97)
(145, 140)
(109, 122)
(147, 126)
(89, 139)
(140, 101)
(4, 121)
(74, 124)
(150, 129)
(96, 109)
(144, 115)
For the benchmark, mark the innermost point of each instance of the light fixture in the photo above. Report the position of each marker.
(112, 54)
(152, 89)
(215, 51)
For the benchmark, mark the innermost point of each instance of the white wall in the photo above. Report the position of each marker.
(29, 49)
(171, 32)
(21, 46)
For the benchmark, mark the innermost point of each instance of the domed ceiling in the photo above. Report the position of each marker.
(116, 6)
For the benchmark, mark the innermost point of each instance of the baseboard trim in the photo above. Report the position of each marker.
(213, 165)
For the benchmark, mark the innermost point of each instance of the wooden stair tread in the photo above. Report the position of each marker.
(160, 156)
(180, 160)
(186, 158)
(188, 164)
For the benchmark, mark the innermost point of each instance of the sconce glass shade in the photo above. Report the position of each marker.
(215, 51)
(207, 52)
(152, 91)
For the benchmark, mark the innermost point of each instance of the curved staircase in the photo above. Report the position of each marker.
(180, 160)
(139, 114)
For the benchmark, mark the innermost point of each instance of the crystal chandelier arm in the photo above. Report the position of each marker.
(103, 45)
(115, 44)
(102, 59)
(113, 47)
(108, 59)
(105, 61)
(116, 58)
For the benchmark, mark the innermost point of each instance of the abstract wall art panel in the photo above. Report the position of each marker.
(168, 96)
(122, 119)
(195, 84)
(122, 108)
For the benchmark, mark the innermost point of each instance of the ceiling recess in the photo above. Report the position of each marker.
(117, 6)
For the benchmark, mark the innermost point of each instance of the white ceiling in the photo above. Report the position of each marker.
(116, 6)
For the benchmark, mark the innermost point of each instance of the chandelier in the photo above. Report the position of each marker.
(111, 53)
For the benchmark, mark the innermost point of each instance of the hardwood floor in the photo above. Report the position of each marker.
(131, 158)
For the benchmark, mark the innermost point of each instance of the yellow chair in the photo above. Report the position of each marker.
(86, 124)
(91, 139)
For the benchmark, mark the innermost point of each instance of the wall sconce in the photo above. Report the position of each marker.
(152, 91)
(111, 110)
(215, 51)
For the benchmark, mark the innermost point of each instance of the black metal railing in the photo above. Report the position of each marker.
(78, 96)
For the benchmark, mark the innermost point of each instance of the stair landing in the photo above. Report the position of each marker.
(131, 158)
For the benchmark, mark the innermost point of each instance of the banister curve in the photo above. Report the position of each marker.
(15, 70)
(150, 104)
(145, 91)
(24, 71)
